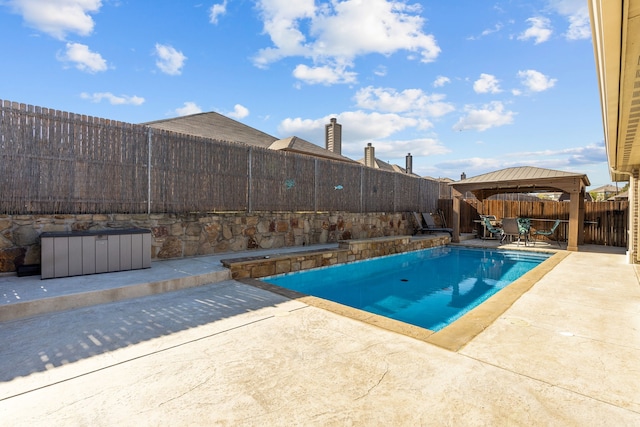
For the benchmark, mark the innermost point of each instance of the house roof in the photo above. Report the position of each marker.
(222, 128)
(525, 179)
(565, 197)
(620, 196)
(386, 166)
(445, 180)
(215, 126)
(299, 145)
(605, 189)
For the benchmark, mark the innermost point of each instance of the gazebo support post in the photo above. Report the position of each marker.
(456, 216)
(576, 220)
(581, 217)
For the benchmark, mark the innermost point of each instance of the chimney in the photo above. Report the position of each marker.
(409, 164)
(369, 156)
(463, 176)
(333, 136)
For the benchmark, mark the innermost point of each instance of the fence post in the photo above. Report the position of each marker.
(149, 133)
(315, 185)
(249, 183)
(361, 189)
(395, 192)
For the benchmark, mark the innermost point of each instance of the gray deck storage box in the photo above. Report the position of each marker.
(90, 252)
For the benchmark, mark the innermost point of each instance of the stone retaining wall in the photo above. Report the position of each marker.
(347, 251)
(177, 236)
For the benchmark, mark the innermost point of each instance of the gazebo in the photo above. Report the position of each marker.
(527, 179)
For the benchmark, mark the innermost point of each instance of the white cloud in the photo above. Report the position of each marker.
(170, 61)
(472, 166)
(495, 29)
(83, 58)
(188, 108)
(577, 13)
(333, 41)
(575, 158)
(535, 81)
(57, 17)
(487, 83)
(360, 128)
(357, 126)
(239, 112)
(487, 117)
(302, 127)
(380, 71)
(113, 99)
(579, 27)
(539, 30)
(281, 20)
(216, 11)
(410, 101)
(389, 26)
(326, 75)
(487, 32)
(366, 126)
(441, 81)
(589, 154)
(398, 149)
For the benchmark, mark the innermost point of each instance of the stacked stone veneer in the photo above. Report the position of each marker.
(177, 236)
(347, 251)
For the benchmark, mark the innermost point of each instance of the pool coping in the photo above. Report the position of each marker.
(452, 337)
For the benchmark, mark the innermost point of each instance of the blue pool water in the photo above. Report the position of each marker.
(430, 288)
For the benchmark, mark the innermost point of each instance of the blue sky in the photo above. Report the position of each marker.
(464, 86)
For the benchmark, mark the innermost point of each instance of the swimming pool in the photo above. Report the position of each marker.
(430, 288)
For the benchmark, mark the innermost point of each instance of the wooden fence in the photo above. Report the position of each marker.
(606, 223)
(54, 162)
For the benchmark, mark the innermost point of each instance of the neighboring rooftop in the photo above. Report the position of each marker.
(609, 188)
(215, 126)
(298, 145)
(222, 128)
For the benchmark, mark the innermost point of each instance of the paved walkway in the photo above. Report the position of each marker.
(566, 353)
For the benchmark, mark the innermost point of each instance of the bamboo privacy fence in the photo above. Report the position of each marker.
(54, 162)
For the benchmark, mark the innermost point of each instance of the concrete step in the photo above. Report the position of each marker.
(30, 296)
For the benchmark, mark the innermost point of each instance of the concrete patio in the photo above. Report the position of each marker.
(226, 353)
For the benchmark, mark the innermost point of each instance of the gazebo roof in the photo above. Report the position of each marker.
(525, 179)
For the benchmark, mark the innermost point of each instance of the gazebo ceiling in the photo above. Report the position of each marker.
(524, 179)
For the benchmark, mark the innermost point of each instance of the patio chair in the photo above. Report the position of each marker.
(420, 226)
(549, 233)
(493, 229)
(524, 228)
(492, 218)
(510, 228)
(432, 226)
